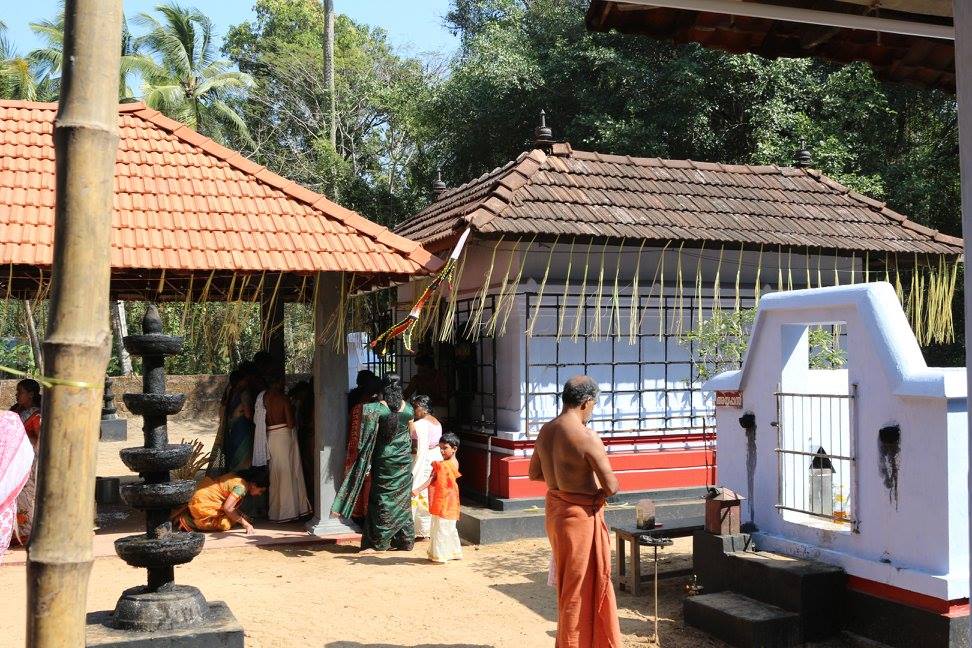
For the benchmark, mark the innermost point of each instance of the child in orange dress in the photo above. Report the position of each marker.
(444, 502)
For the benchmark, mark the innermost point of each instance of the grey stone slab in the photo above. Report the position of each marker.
(222, 630)
(114, 430)
(741, 621)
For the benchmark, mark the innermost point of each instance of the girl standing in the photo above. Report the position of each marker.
(443, 488)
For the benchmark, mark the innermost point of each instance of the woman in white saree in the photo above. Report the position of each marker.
(426, 431)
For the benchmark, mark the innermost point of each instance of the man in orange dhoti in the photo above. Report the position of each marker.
(571, 459)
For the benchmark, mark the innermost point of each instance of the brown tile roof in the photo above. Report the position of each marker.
(895, 57)
(183, 202)
(577, 193)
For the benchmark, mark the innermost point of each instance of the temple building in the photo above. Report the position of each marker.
(585, 262)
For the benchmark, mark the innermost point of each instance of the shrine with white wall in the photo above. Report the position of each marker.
(864, 467)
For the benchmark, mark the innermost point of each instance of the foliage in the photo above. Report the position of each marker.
(635, 95)
(185, 80)
(18, 74)
(48, 59)
(719, 343)
(379, 96)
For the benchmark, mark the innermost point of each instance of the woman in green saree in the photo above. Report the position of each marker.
(384, 451)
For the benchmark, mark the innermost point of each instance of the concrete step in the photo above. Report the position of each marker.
(680, 510)
(741, 621)
(813, 590)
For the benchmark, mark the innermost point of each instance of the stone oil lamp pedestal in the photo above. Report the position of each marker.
(112, 427)
(160, 613)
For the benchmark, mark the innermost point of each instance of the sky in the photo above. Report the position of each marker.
(414, 26)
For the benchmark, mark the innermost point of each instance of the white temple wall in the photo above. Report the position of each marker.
(647, 387)
(908, 498)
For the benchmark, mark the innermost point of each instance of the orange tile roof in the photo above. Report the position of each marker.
(184, 202)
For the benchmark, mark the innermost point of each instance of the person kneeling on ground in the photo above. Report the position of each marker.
(443, 488)
(214, 506)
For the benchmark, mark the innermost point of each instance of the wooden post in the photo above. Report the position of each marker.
(962, 12)
(77, 343)
(331, 412)
(35, 344)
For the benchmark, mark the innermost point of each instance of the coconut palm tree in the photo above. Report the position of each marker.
(48, 58)
(186, 81)
(18, 79)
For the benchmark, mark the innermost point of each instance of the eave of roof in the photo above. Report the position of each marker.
(565, 192)
(895, 57)
(304, 232)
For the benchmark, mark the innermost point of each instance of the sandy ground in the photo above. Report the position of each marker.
(109, 463)
(329, 596)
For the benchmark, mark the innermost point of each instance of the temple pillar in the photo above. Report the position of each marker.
(962, 11)
(330, 411)
(272, 318)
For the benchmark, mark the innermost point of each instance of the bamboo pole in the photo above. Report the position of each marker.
(78, 337)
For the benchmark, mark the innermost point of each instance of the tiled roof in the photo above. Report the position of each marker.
(895, 57)
(183, 202)
(576, 193)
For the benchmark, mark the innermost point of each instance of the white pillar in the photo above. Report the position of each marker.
(330, 411)
(962, 10)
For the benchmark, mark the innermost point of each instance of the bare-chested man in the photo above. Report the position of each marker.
(571, 459)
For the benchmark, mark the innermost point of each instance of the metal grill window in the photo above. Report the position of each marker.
(648, 386)
(468, 365)
(815, 453)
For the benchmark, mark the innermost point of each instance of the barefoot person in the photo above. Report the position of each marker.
(571, 459)
(275, 444)
(215, 504)
(384, 453)
(426, 432)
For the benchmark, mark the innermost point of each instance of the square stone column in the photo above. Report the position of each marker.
(330, 411)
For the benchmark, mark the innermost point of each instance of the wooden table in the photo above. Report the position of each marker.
(631, 579)
(629, 571)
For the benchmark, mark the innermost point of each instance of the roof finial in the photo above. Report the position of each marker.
(542, 135)
(802, 158)
(438, 186)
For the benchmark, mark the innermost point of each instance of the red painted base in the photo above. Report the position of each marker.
(956, 608)
(636, 471)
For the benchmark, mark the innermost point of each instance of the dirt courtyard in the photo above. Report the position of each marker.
(327, 596)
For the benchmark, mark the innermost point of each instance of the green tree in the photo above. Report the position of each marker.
(18, 74)
(184, 79)
(635, 95)
(379, 97)
(49, 57)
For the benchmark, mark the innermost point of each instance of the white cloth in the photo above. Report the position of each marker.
(16, 466)
(421, 471)
(288, 493)
(260, 451)
(445, 543)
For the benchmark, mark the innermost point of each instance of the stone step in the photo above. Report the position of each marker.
(813, 590)
(741, 621)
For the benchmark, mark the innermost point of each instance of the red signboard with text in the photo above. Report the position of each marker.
(729, 399)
